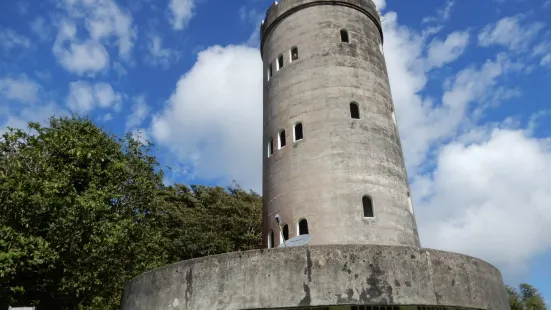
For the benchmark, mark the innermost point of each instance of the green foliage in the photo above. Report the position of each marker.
(526, 297)
(82, 212)
(201, 221)
(73, 220)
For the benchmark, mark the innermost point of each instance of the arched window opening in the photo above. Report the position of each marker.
(368, 206)
(303, 227)
(298, 132)
(344, 36)
(354, 110)
(269, 71)
(271, 239)
(294, 53)
(410, 203)
(282, 140)
(393, 115)
(270, 147)
(286, 232)
(279, 62)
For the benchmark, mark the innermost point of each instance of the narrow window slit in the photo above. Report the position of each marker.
(286, 232)
(298, 132)
(271, 239)
(294, 53)
(367, 206)
(282, 140)
(354, 110)
(270, 147)
(344, 36)
(303, 227)
(279, 62)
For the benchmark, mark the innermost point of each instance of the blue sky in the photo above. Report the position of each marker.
(470, 82)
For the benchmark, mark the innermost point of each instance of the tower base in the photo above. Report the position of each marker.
(321, 276)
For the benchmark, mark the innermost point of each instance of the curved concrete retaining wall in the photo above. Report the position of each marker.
(320, 276)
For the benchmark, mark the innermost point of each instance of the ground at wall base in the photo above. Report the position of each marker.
(322, 275)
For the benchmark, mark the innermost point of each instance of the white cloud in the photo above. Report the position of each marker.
(479, 192)
(510, 32)
(443, 52)
(159, 56)
(105, 95)
(106, 24)
(105, 20)
(140, 111)
(140, 135)
(254, 18)
(21, 89)
(84, 97)
(36, 113)
(380, 4)
(442, 14)
(546, 60)
(10, 39)
(80, 57)
(490, 199)
(217, 126)
(181, 11)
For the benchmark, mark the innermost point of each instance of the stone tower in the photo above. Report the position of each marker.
(333, 171)
(332, 153)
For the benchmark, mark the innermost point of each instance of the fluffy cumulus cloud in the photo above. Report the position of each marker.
(514, 32)
(19, 88)
(79, 56)
(181, 11)
(217, 126)
(443, 52)
(106, 24)
(22, 100)
(483, 193)
(140, 110)
(84, 97)
(490, 199)
(380, 4)
(35, 113)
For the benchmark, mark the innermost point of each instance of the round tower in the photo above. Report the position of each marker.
(333, 165)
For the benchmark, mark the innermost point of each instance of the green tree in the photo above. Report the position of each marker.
(526, 297)
(77, 218)
(200, 220)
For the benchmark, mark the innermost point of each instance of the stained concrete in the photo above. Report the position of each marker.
(320, 276)
(323, 177)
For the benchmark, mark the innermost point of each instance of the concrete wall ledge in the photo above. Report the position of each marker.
(320, 275)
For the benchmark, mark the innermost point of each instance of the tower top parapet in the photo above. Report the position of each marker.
(279, 10)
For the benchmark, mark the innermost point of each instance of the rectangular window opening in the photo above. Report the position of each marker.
(282, 140)
(270, 147)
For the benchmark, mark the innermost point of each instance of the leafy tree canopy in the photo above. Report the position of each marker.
(82, 212)
(526, 297)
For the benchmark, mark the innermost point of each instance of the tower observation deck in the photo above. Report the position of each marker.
(334, 179)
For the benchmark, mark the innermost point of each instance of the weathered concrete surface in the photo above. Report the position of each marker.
(320, 276)
(324, 176)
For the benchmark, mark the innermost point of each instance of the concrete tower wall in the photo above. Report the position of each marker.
(323, 177)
